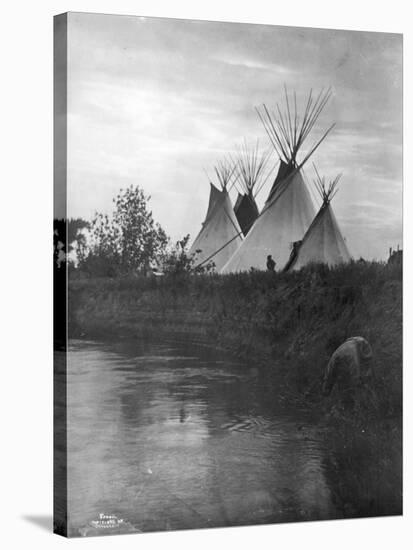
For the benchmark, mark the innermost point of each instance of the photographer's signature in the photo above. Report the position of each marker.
(107, 524)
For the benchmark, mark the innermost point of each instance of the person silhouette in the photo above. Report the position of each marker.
(270, 263)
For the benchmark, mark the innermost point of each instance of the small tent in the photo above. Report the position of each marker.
(323, 241)
(220, 234)
(288, 210)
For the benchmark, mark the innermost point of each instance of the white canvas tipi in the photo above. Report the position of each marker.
(323, 241)
(220, 234)
(289, 209)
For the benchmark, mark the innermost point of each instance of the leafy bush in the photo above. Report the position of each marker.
(177, 260)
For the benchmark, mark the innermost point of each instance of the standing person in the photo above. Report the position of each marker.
(270, 263)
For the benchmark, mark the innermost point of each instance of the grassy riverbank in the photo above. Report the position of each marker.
(292, 321)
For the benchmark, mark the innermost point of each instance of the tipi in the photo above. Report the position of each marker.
(323, 241)
(251, 167)
(220, 234)
(289, 210)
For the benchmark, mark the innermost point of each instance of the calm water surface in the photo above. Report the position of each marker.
(175, 436)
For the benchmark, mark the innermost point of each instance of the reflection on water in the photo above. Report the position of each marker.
(174, 437)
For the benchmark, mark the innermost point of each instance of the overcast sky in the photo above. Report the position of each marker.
(154, 102)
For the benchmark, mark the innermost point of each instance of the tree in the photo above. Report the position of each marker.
(126, 242)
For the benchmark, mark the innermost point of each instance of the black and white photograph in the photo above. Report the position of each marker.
(228, 259)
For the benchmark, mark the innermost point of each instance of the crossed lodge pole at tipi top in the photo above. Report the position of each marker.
(287, 134)
(326, 193)
(250, 166)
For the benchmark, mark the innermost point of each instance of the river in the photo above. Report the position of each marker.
(179, 435)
